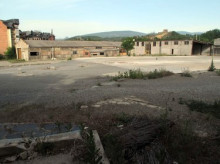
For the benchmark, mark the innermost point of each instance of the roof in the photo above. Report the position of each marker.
(11, 22)
(55, 43)
(101, 50)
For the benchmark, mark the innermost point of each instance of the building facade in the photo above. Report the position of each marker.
(45, 49)
(217, 46)
(172, 47)
(9, 34)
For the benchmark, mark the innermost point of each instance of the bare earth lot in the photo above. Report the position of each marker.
(55, 92)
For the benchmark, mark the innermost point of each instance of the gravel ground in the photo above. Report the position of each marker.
(60, 84)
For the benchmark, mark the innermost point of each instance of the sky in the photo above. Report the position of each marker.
(69, 18)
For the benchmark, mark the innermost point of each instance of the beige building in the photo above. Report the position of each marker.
(174, 47)
(217, 46)
(45, 49)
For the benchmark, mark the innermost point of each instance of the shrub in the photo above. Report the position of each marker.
(158, 74)
(133, 74)
(212, 67)
(138, 74)
(10, 53)
(203, 107)
(2, 57)
(186, 73)
(69, 58)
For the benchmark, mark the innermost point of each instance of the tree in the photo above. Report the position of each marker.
(128, 45)
(10, 53)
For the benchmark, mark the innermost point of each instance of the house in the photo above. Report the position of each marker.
(217, 46)
(36, 35)
(46, 49)
(9, 34)
(173, 47)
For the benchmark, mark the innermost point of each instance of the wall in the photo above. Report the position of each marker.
(3, 38)
(139, 49)
(171, 49)
(155, 49)
(24, 50)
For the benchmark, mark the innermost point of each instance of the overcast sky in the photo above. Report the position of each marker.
(76, 17)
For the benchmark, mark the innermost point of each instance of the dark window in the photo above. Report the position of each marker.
(94, 54)
(166, 43)
(137, 43)
(186, 42)
(86, 53)
(154, 44)
(175, 42)
(74, 52)
(142, 43)
(34, 53)
(98, 47)
(102, 53)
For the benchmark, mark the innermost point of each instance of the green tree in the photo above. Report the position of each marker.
(128, 45)
(10, 53)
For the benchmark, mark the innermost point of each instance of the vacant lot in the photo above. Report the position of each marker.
(82, 91)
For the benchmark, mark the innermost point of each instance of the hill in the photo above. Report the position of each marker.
(111, 35)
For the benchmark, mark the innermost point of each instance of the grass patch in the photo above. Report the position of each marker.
(16, 60)
(186, 73)
(138, 74)
(203, 107)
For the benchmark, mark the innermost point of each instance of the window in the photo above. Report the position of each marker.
(142, 44)
(166, 43)
(186, 42)
(137, 43)
(98, 47)
(102, 53)
(154, 44)
(34, 53)
(175, 42)
(86, 53)
(74, 52)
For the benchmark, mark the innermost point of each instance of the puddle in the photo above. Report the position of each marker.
(12, 131)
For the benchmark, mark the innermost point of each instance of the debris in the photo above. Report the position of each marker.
(10, 159)
(84, 107)
(96, 106)
(24, 155)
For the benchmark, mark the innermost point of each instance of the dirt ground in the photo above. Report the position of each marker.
(82, 91)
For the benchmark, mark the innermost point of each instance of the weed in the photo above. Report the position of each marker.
(158, 74)
(92, 154)
(186, 73)
(68, 126)
(218, 72)
(212, 66)
(124, 118)
(132, 74)
(113, 149)
(204, 107)
(2, 57)
(58, 126)
(99, 84)
(44, 148)
(70, 58)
